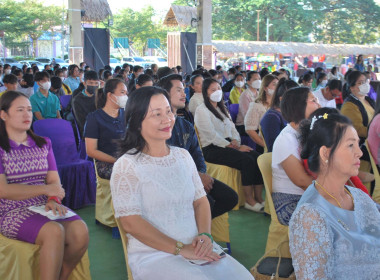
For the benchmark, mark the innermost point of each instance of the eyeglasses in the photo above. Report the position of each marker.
(314, 100)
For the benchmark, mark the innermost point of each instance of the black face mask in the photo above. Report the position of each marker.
(91, 89)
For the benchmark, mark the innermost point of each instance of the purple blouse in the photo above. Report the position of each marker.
(27, 163)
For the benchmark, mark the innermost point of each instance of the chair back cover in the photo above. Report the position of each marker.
(62, 137)
(65, 100)
(264, 162)
(234, 109)
(376, 190)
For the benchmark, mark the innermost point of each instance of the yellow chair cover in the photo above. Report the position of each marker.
(277, 232)
(376, 191)
(103, 209)
(266, 206)
(229, 176)
(124, 240)
(220, 228)
(20, 261)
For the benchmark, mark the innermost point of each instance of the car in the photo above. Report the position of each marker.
(136, 60)
(45, 60)
(10, 61)
(160, 61)
(114, 62)
(30, 62)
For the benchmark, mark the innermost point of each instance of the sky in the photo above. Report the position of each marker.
(158, 5)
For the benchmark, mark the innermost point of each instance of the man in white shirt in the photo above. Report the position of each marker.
(327, 95)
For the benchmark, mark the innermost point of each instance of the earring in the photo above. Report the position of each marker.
(326, 161)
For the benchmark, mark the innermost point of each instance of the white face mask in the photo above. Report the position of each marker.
(270, 91)
(239, 84)
(256, 84)
(62, 78)
(216, 96)
(121, 100)
(364, 89)
(8, 71)
(230, 77)
(324, 83)
(219, 81)
(46, 85)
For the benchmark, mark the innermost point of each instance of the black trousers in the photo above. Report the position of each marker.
(221, 198)
(246, 162)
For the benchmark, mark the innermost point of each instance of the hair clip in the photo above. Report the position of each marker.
(313, 120)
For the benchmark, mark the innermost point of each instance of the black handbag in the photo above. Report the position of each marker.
(268, 268)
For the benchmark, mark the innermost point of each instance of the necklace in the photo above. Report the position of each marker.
(319, 185)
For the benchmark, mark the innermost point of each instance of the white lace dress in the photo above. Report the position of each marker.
(327, 242)
(162, 191)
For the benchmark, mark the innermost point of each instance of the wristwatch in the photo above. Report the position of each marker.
(178, 247)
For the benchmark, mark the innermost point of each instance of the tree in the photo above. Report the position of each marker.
(138, 26)
(327, 21)
(28, 18)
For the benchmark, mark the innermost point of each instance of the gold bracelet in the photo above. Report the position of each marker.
(178, 247)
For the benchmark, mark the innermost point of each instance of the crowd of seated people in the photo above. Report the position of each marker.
(140, 128)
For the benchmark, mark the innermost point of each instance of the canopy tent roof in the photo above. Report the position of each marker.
(180, 16)
(251, 47)
(95, 10)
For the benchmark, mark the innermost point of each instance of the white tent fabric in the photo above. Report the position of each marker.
(252, 47)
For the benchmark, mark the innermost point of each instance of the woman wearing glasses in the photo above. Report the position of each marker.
(160, 199)
(290, 179)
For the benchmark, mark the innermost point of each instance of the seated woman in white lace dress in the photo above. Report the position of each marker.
(335, 230)
(160, 200)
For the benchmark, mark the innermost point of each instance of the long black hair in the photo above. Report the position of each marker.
(326, 131)
(206, 84)
(101, 93)
(135, 112)
(6, 101)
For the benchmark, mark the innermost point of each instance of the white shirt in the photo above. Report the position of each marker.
(246, 98)
(323, 101)
(255, 113)
(212, 130)
(195, 101)
(285, 145)
(165, 200)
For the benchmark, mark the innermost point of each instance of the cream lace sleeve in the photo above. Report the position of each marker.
(253, 117)
(310, 244)
(125, 188)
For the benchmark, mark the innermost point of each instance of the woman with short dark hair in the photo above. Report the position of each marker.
(290, 179)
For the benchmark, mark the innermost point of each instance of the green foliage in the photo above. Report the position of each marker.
(29, 18)
(326, 21)
(138, 26)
